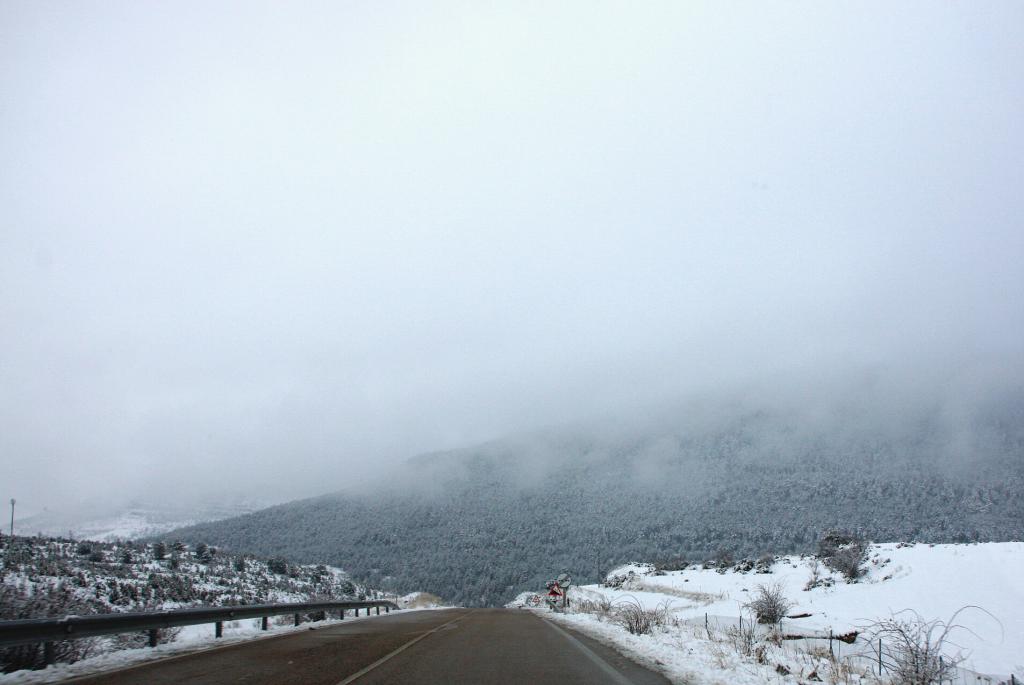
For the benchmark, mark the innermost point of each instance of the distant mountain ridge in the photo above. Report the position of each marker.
(478, 525)
(110, 521)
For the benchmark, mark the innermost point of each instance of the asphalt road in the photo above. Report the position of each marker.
(499, 646)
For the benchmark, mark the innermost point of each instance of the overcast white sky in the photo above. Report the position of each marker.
(277, 245)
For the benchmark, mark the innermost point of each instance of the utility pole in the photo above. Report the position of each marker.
(12, 518)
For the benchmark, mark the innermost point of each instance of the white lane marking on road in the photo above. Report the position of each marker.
(359, 674)
(616, 677)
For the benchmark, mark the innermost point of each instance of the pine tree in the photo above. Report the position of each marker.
(159, 551)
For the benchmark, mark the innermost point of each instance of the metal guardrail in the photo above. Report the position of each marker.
(51, 630)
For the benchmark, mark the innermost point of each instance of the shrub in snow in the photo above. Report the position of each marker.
(816, 579)
(675, 564)
(619, 580)
(17, 602)
(849, 561)
(743, 637)
(632, 616)
(600, 607)
(770, 605)
(916, 651)
(48, 577)
(832, 540)
(844, 552)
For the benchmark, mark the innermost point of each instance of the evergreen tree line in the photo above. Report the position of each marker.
(469, 527)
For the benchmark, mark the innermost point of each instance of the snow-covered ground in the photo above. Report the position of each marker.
(936, 581)
(421, 600)
(191, 639)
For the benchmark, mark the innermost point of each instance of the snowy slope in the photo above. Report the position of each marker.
(42, 578)
(934, 580)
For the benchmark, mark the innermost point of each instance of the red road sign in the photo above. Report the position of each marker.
(555, 591)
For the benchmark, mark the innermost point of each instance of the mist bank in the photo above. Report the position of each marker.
(477, 525)
(946, 423)
(289, 251)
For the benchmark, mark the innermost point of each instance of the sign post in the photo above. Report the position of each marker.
(558, 592)
(564, 581)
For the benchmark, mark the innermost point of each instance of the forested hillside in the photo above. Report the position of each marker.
(476, 526)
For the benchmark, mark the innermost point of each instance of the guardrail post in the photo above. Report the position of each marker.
(45, 634)
(48, 653)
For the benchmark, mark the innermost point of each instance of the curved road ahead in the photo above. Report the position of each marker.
(452, 646)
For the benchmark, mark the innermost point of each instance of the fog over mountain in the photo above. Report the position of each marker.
(478, 525)
(145, 515)
(280, 249)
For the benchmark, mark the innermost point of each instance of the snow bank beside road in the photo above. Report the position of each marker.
(422, 600)
(933, 580)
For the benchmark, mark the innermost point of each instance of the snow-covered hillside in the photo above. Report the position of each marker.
(936, 581)
(475, 525)
(49, 577)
